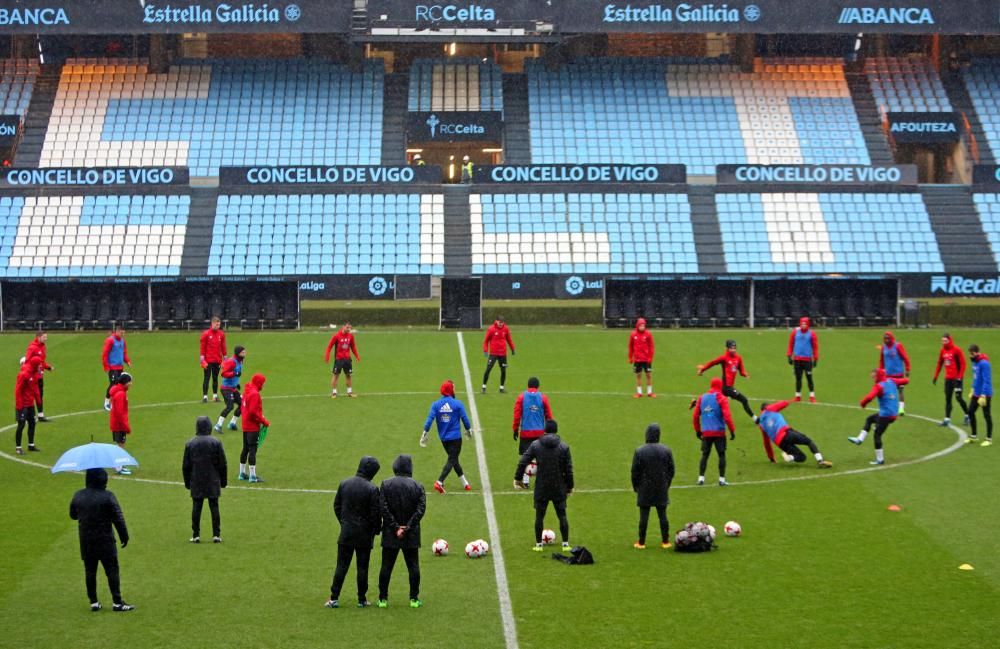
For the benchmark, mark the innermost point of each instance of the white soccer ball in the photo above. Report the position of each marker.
(21, 361)
(439, 548)
(548, 537)
(531, 469)
(475, 549)
(732, 528)
(484, 547)
(711, 532)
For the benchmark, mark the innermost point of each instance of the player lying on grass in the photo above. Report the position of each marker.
(774, 429)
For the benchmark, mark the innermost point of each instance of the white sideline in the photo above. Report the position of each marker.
(499, 567)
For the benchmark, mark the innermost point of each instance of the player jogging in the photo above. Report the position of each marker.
(732, 363)
(213, 351)
(495, 350)
(37, 348)
(114, 358)
(531, 411)
(118, 419)
(25, 397)
(232, 370)
(640, 355)
(774, 428)
(896, 363)
(982, 394)
(449, 413)
(254, 423)
(953, 360)
(343, 340)
(803, 355)
(711, 418)
(886, 390)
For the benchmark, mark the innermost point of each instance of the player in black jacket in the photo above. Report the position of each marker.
(553, 480)
(403, 502)
(97, 510)
(652, 473)
(205, 475)
(358, 510)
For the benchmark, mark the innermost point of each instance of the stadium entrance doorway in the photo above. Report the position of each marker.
(944, 163)
(450, 156)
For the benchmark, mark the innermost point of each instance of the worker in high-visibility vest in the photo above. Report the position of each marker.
(466, 170)
(419, 161)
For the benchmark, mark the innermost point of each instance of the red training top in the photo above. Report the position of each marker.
(953, 360)
(731, 364)
(118, 420)
(640, 344)
(344, 342)
(497, 338)
(253, 406)
(213, 345)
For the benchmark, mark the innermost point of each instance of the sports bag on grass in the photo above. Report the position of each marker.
(578, 556)
(694, 537)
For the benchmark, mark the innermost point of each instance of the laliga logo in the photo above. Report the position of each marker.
(312, 286)
(432, 122)
(574, 285)
(377, 286)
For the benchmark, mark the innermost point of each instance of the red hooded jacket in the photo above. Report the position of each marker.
(37, 348)
(344, 342)
(26, 393)
(519, 411)
(497, 338)
(953, 360)
(118, 421)
(213, 345)
(640, 344)
(899, 350)
(715, 387)
(253, 406)
(804, 324)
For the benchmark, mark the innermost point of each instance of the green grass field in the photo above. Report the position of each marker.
(822, 563)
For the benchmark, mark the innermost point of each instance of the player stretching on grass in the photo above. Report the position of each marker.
(774, 428)
(213, 350)
(982, 394)
(886, 390)
(896, 363)
(640, 355)
(953, 360)
(232, 370)
(114, 358)
(343, 340)
(711, 418)
(495, 350)
(731, 363)
(449, 413)
(803, 355)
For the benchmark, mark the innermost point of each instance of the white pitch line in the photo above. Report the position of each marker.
(499, 567)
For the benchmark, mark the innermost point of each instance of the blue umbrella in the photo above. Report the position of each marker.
(93, 456)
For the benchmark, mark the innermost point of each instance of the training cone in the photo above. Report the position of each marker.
(895, 508)
(965, 566)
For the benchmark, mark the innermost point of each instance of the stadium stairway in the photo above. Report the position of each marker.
(962, 102)
(198, 243)
(394, 119)
(705, 227)
(457, 231)
(869, 120)
(516, 130)
(961, 241)
(36, 123)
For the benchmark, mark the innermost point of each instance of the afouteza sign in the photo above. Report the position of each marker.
(454, 126)
(924, 128)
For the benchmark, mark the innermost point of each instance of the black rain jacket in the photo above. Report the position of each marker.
(555, 467)
(403, 501)
(357, 506)
(652, 471)
(97, 510)
(204, 465)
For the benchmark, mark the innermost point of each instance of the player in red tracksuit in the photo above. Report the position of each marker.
(37, 348)
(25, 397)
(253, 421)
(711, 418)
(774, 428)
(732, 363)
(495, 350)
(953, 360)
(531, 411)
(114, 357)
(803, 355)
(213, 352)
(343, 340)
(640, 354)
(895, 361)
(118, 420)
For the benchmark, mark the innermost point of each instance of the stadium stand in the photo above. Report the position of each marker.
(988, 208)
(581, 233)
(982, 80)
(17, 80)
(454, 85)
(207, 114)
(827, 232)
(328, 234)
(908, 84)
(92, 236)
(695, 112)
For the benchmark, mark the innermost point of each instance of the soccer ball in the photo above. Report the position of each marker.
(472, 550)
(732, 528)
(439, 548)
(484, 547)
(548, 537)
(711, 532)
(21, 362)
(531, 469)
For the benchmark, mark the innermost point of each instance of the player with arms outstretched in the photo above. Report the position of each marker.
(732, 364)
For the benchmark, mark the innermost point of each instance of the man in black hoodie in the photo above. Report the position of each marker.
(652, 473)
(403, 502)
(204, 470)
(358, 509)
(97, 510)
(553, 480)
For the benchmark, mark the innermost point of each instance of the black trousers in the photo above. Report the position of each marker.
(453, 448)
(540, 508)
(412, 558)
(232, 399)
(661, 512)
(345, 553)
(791, 442)
(249, 453)
(107, 555)
(973, 407)
(41, 394)
(707, 444)
(212, 369)
(25, 416)
(112, 379)
(881, 424)
(493, 360)
(196, 506)
(803, 367)
(953, 387)
(733, 393)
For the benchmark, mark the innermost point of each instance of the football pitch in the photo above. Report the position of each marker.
(822, 562)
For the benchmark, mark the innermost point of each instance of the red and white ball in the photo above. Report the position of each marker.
(439, 548)
(531, 469)
(732, 528)
(548, 537)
